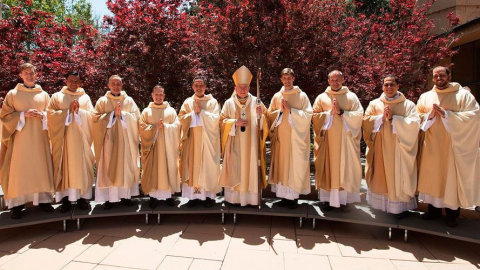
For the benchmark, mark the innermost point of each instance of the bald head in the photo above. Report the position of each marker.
(335, 80)
(335, 72)
(115, 84)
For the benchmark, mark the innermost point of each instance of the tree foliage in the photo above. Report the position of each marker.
(55, 48)
(169, 42)
(76, 10)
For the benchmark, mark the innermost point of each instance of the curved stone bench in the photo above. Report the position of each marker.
(360, 213)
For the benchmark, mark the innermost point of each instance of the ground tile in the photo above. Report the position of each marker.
(108, 267)
(79, 266)
(251, 238)
(139, 253)
(177, 263)
(342, 263)
(283, 228)
(350, 230)
(45, 256)
(199, 264)
(450, 266)
(100, 250)
(25, 240)
(449, 250)
(9, 233)
(409, 265)
(322, 228)
(210, 228)
(302, 261)
(201, 246)
(317, 245)
(117, 228)
(6, 257)
(242, 259)
(384, 249)
(73, 238)
(283, 246)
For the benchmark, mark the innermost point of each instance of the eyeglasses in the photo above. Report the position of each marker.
(389, 84)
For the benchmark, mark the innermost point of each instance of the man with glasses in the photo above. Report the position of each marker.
(389, 127)
(449, 161)
(337, 122)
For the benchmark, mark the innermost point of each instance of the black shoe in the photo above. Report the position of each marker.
(66, 205)
(16, 212)
(452, 222)
(399, 216)
(83, 204)
(293, 204)
(153, 203)
(326, 207)
(208, 203)
(127, 202)
(345, 208)
(191, 203)
(46, 207)
(283, 203)
(430, 216)
(107, 205)
(170, 202)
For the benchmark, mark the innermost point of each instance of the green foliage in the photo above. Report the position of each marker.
(75, 10)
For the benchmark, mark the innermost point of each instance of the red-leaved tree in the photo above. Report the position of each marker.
(313, 38)
(53, 48)
(148, 44)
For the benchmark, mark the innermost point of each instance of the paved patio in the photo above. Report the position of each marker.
(202, 242)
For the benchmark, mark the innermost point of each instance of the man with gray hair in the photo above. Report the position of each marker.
(337, 121)
(115, 137)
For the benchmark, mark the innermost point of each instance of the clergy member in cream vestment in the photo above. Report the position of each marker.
(290, 115)
(200, 146)
(337, 122)
(160, 134)
(449, 161)
(238, 122)
(390, 126)
(115, 136)
(25, 139)
(70, 127)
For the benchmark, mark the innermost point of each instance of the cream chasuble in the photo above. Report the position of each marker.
(71, 138)
(289, 172)
(200, 148)
(239, 174)
(391, 167)
(116, 148)
(160, 148)
(449, 167)
(25, 143)
(337, 147)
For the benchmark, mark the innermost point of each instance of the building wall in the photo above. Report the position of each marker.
(466, 68)
(466, 10)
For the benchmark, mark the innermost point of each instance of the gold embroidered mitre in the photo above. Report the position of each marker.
(242, 76)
